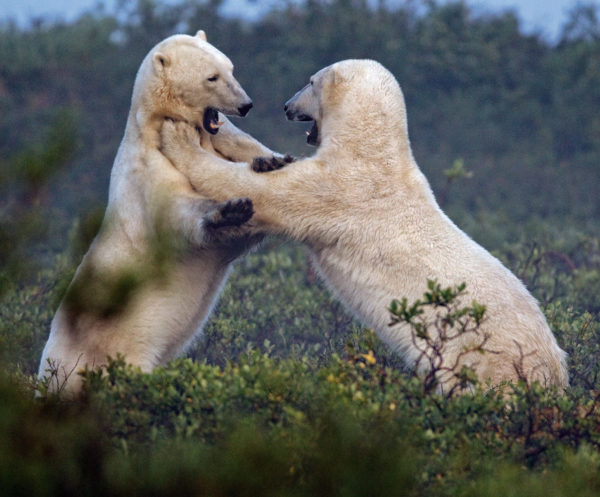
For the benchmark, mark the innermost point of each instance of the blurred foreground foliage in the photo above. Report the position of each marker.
(285, 394)
(265, 426)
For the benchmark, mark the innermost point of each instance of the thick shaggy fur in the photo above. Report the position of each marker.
(152, 274)
(368, 215)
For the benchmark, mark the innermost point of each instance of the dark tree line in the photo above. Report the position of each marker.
(521, 113)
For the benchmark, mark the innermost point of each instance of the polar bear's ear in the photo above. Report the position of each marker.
(160, 61)
(201, 34)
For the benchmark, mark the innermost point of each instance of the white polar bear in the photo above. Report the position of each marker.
(151, 275)
(368, 215)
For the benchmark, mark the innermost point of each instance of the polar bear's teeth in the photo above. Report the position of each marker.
(216, 125)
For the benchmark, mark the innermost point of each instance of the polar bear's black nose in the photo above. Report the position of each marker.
(243, 109)
(289, 114)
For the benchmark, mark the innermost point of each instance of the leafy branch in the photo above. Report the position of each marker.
(435, 322)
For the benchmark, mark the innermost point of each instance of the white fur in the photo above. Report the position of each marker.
(368, 215)
(148, 199)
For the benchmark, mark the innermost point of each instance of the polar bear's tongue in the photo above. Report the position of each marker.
(312, 138)
(210, 121)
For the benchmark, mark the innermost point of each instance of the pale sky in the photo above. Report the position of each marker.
(543, 16)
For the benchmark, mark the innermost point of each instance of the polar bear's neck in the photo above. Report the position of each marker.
(374, 148)
(145, 125)
(378, 141)
(145, 117)
(368, 126)
(146, 113)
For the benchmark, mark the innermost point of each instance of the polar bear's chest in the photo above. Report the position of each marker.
(206, 144)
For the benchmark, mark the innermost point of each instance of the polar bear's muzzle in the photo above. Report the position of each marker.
(295, 111)
(210, 120)
(293, 115)
(312, 136)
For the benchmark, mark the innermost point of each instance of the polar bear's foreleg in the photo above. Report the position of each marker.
(237, 146)
(282, 200)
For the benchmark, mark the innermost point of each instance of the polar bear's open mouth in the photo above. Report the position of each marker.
(312, 137)
(210, 121)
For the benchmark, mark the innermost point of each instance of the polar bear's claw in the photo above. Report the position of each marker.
(265, 164)
(230, 213)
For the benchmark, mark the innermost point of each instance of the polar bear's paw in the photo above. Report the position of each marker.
(233, 212)
(266, 164)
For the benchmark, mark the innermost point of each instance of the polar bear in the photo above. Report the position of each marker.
(369, 217)
(151, 275)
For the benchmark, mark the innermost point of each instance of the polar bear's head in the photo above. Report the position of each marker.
(186, 78)
(351, 96)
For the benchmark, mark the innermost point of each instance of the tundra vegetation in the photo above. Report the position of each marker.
(286, 394)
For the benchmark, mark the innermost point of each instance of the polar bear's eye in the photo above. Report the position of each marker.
(312, 82)
(213, 78)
